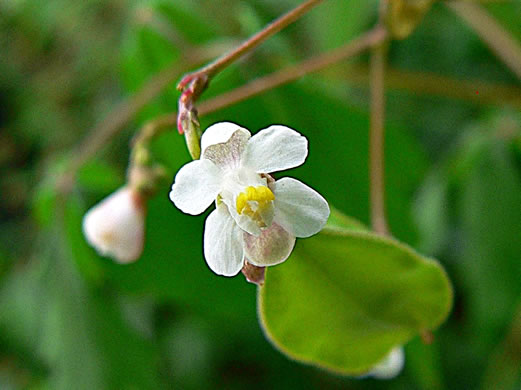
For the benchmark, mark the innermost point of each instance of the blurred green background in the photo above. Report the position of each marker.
(72, 320)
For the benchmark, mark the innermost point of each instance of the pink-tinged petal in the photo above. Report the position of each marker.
(227, 155)
(273, 246)
(298, 208)
(275, 149)
(196, 186)
(219, 133)
(115, 227)
(223, 243)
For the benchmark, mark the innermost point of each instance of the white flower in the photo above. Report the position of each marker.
(390, 366)
(115, 227)
(256, 217)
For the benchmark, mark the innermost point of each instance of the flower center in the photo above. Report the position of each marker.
(255, 202)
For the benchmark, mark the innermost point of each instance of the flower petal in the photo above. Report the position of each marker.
(228, 155)
(275, 149)
(298, 208)
(196, 186)
(243, 221)
(273, 246)
(219, 133)
(223, 243)
(115, 227)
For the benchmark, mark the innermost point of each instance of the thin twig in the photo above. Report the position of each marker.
(266, 83)
(491, 32)
(123, 114)
(377, 134)
(376, 140)
(276, 79)
(427, 83)
(125, 111)
(194, 84)
(222, 62)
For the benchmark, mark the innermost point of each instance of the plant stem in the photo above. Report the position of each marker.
(121, 116)
(276, 79)
(125, 111)
(377, 133)
(222, 62)
(491, 32)
(314, 64)
(426, 83)
(194, 84)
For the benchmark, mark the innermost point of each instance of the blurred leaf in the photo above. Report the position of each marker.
(490, 266)
(78, 333)
(330, 32)
(431, 212)
(344, 299)
(98, 176)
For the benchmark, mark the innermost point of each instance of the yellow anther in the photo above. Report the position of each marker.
(251, 193)
(241, 202)
(261, 194)
(264, 194)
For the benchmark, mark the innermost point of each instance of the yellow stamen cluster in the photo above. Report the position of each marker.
(262, 195)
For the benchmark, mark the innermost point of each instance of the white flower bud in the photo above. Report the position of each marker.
(390, 366)
(115, 227)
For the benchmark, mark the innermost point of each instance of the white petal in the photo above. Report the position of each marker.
(298, 208)
(273, 246)
(219, 133)
(275, 149)
(223, 243)
(115, 227)
(228, 155)
(391, 366)
(196, 186)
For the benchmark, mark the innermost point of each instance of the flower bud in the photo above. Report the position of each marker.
(115, 227)
(390, 366)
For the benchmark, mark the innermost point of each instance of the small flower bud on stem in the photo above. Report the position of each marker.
(187, 119)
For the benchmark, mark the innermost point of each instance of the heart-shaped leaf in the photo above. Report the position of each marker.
(346, 297)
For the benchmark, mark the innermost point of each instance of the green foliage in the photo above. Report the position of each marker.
(346, 297)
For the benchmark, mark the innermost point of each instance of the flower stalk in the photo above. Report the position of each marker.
(194, 84)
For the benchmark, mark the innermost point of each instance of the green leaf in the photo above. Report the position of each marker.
(345, 298)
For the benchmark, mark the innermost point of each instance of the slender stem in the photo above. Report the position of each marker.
(121, 116)
(376, 139)
(491, 32)
(276, 79)
(314, 64)
(427, 83)
(218, 65)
